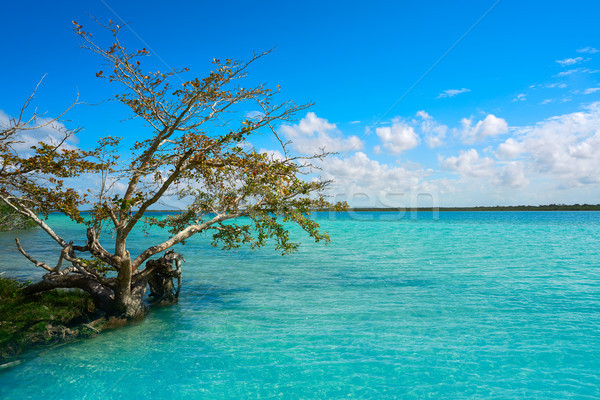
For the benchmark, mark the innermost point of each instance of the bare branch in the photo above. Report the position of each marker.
(33, 260)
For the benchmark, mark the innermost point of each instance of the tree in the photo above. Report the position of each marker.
(189, 153)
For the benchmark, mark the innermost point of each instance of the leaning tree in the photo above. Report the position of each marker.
(189, 153)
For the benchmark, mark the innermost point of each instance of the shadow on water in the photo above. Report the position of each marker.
(197, 295)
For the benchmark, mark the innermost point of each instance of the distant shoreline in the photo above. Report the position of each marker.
(549, 207)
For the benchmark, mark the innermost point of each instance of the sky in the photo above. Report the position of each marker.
(439, 103)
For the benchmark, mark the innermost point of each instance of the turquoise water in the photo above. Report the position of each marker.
(491, 305)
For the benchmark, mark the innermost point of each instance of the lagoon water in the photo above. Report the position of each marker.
(490, 305)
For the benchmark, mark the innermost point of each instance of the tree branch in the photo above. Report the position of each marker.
(96, 249)
(33, 260)
(28, 213)
(180, 237)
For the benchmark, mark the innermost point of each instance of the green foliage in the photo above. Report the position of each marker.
(40, 176)
(11, 220)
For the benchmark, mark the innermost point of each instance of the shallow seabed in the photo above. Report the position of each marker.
(494, 305)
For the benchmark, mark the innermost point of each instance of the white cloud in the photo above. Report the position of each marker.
(513, 175)
(468, 163)
(510, 149)
(312, 134)
(554, 160)
(520, 97)
(588, 49)
(480, 171)
(568, 72)
(403, 134)
(399, 137)
(254, 114)
(361, 180)
(570, 61)
(564, 148)
(591, 90)
(557, 85)
(490, 126)
(547, 101)
(452, 93)
(52, 133)
(273, 154)
(577, 70)
(433, 130)
(360, 171)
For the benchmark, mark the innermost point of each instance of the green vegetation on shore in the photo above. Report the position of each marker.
(45, 319)
(547, 207)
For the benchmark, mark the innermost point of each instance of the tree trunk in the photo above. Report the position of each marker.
(162, 288)
(130, 303)
(123, 296)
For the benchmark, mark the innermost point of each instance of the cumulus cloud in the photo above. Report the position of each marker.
(570, 61)
(359, 179)
(468, 163)
(565, 148)
(399, 137)
(433, 130)
(471, 166)
(452, 93)
(489, 126)
(510, 149)
(406, 134)
(361, 171)
(513, 175)
(533, 165)
(312, 134)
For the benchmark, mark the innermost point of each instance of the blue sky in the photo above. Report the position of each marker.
(509, 115)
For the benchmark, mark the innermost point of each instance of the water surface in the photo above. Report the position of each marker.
(499, 305)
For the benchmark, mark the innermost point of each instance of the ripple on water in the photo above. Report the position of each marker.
(479, 305)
